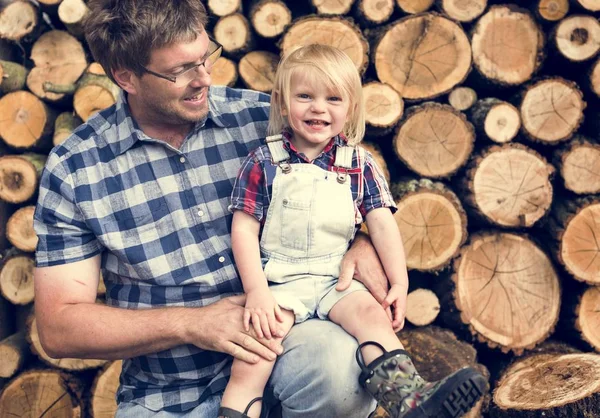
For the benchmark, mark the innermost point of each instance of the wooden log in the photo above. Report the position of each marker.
(64, 125)
(257, 70)
(551, 10)
(423, 56)
(415, 6)
(591, 5)
(375, 152)
(59, 59)
(335, 31)
(16, 277)
(222, 8)
(508, 186)
(234, 33)
(461, 10)
(434, 140)
(551, 110)
(383, 107)
(102, 402)
(332, 7)
(594, 78)
(12, 76)
(14, 353)
(18, 20)
(518, 56)
(549, 386)
(578, 164)
(94, 93)
(19, 176)
(586, 316)
(577, 37)
(436, 353)
(574, 229)
(270, 17)
(70, 364)
(462, 98)
(495, 119)
(507, 291)
(374, 12)
(39, 393)
(72, 13)
(27, 123)
(422, 307)
(7, 318)
(19, 229)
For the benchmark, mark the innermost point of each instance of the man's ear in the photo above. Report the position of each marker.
(126, 79)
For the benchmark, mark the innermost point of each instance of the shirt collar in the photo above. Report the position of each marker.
(338, 140)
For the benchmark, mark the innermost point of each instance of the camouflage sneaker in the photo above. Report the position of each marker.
(396, 385)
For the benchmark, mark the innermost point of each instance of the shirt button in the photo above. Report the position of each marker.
(221, 259)
(182, 159)
(200, 213)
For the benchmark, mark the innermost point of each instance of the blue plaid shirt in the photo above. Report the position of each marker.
(159, 218)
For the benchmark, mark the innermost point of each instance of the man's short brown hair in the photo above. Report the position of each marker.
(121, 34)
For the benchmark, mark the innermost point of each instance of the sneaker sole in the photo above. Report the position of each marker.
(455, 398)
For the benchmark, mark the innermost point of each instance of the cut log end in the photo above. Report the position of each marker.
(375, 11)
(18, 179)
(415, 6)
(257, 70)
(422, 307)
(333, 7)
(17, 20)
(462, 98)
(463, 11)
(579, 167)
(25, 119)
(578, 37)
(233, 32)
(19, 229)
(591, 5)
(104, 389)
(224, 72)
(502, 123)
(224, 7)
(269, 18)
(16, 279)
(588, 317)
(595, 78)
(383, 105)
(507, 291)
(553, 10)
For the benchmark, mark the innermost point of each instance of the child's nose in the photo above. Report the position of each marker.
(318, 106)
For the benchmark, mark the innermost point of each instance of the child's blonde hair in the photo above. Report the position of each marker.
(323, 64)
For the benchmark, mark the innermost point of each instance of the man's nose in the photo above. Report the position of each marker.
(201, 77)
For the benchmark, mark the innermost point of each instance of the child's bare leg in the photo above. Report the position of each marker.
(248, 381)
(364, 318)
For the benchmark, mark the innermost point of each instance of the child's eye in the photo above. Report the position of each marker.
(303, 96)
(335, 99)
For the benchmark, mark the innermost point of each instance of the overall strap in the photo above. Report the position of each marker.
(343, 161)
(279, 155)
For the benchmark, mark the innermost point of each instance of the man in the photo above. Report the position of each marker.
(141, 191)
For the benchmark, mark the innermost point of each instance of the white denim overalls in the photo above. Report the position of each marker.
(309, 225)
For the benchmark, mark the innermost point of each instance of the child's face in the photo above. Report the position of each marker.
(316, 114)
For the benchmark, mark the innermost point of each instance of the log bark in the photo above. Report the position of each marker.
(59, 59)
(462, 98)
(374, 12)
(27, 121)
(577, 38)
(12, 76)
(72, 13)
(423, 56)
(270, 17)
(234, 33)
(39, 393)
(102, 403)
(552, 110)
(434, 140)
(579, 166)
(519, 33)
(224, 7)
(462, 10)
(552, 386)
(257, 70)
(19, 19)
(335, 31)
(507, 291)
(383, 107)
(16, 278)
(70, 364)
(508, 186)
(19, 229)
(432, 223)
(415, 6)
(552, 10)
(19, 176)
(574, 229)
(64, 126)
(422, 307)
(14, 353)
(495, 119)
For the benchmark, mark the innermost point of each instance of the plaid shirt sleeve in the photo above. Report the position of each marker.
(249, 191)
(63, 236)
(376, 189)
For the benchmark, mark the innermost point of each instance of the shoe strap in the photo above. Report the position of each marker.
(359, 357)
(232, 413)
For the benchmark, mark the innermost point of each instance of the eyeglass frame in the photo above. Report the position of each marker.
(173, 79)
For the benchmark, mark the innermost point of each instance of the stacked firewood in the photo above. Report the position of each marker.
(486, 119)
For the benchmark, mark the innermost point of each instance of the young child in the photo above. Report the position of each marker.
(296, 204)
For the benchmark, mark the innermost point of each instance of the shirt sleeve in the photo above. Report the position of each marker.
(249, 190)
(376, 191)
(63, 236)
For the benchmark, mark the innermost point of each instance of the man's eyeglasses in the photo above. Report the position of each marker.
(184, 77)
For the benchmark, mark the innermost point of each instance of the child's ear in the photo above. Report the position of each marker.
(284, 111)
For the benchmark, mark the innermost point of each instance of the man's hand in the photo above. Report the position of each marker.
(362, 263)
(220, 327)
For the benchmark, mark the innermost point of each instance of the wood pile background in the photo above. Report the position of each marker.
(486, 117)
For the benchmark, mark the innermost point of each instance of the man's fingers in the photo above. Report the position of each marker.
(346, 274)
(239, 353)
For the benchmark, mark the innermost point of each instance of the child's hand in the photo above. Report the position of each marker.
(263, 312)
(396, 298)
